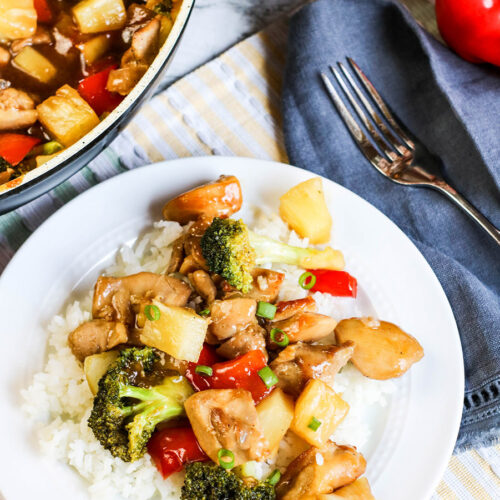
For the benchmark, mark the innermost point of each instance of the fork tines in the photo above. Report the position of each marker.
(394, 146)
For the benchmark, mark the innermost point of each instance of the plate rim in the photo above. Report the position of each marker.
(91, 192)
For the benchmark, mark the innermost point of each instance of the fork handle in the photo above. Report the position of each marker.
(470, 210)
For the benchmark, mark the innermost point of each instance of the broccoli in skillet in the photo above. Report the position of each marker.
(206, 481)
(124, 416)
(232, 251)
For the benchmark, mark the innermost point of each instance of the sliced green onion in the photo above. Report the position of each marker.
(268, 376)
(52, 147)
(152, 312)
(205, 312)
(266, 310)
(223, 455)
(274, 477)
(276, 334)
(204, 370)
(305, 277)
(314, 424)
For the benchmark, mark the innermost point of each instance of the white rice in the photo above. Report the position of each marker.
(59, 400)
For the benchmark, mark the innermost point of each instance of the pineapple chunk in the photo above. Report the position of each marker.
(34, 64)
(304, 209)
(359, 490)
(178, 331)
(17, 19)
(96, 366)
(93, 16)
(95, 48)
(67, 116)
(275, 416)
(318, 404)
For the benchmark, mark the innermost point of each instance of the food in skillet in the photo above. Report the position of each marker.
(64, 65)
(232, 373)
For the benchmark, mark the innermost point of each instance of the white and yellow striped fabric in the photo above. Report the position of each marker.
(231, 106)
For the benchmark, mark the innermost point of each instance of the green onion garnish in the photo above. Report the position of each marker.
(152, 312)
(205, 312)
(223, 455)
(305, 277)
(204, 370)
(274, 477)
(266, 310)
(268, 376)
(314, 424)
(279, 337)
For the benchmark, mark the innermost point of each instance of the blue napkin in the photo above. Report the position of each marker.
(453, 107)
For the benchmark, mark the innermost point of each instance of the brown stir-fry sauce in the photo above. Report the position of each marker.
(64, 65)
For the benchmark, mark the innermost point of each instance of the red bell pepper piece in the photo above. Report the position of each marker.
(241, 372)
(337, 283)
(471, 28)
(208, 357)
(171, 448)
(93, 90)
(14, 147)
(43, 11)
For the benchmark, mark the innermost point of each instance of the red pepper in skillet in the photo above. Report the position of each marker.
(174, 447)
(14, 147)
(471, 28)
(93, 90)
(43, 11)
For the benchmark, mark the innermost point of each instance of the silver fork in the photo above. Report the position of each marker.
(398, 149)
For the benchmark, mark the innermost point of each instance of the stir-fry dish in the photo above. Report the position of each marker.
(64, 65)
(213, 369)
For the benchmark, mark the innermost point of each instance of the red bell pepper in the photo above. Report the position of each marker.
(241, 372)
(171, 448)
(337, 283)
(14, 147)
(471, 28)
(208, 357)
(93, 90)
(43, 11)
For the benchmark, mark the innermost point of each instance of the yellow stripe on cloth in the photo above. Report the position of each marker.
(231, 106)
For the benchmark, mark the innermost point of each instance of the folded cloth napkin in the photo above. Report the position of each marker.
(453, 107)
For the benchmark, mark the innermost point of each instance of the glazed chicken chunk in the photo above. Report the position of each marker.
(115, 297)
(306, 326)
(249, 339)
(287, 308)
(319, 471)
(266, 286)
(17, 109)
(227, 418)
(96, 336)
(300, 362)
(232, 316)
(382, 349)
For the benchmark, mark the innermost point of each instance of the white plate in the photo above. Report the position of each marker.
(412, 443)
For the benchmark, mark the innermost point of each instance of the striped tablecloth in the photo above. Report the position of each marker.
(231, 106)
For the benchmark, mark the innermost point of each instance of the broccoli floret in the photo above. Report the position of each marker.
(163, 7)
(232, 251)
(206, 481)
(4, 165)
(124, 416)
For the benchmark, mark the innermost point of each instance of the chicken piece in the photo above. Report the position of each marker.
(382, 350)
(177, 256)
(220, 198)
(319, 471)
(227, 418)
(265, 286)
(192, 241)
(287, 308)
(41, 37)
(96, 336)
(305, 326)
(4, 57)
(298, 363)
(203, 285)
(189, 265)
(231, 316)
(249, 339)
(358, 490)
(114, 298)
(17, 109)
(136, 60)
(137, 17)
